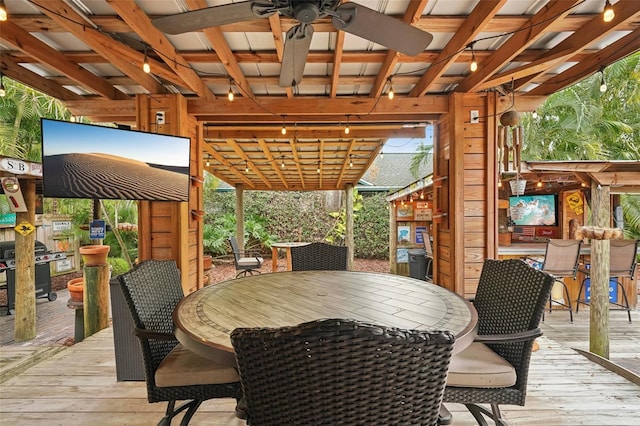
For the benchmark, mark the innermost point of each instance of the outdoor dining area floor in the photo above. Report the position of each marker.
(50, 381)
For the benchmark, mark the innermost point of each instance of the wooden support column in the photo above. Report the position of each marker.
(393, 239)
(600, 267)
(95, 299)
(24, 327)
(349, 225)
(240, 216)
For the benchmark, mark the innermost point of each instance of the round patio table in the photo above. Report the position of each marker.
(205, 319)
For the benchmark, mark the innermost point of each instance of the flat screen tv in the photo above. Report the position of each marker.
(534, 210)
(97, 162)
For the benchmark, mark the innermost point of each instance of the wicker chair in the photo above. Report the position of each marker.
(622, 264)
(173, 373)
(246, 262)
(335, 371)
(510, 300)
(561, 261)
(319, 257)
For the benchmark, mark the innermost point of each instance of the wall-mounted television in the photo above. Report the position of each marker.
(88, 161)
(534, 210)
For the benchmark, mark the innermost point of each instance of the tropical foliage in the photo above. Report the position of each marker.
(583, 122)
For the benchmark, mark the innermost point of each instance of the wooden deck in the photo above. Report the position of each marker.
(45, 382)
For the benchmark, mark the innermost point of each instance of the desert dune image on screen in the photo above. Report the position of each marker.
(88, 161)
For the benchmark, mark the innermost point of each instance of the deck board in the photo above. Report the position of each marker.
(77, 385)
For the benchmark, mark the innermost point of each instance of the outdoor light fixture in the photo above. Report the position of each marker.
(608, 14)
(473, 67)
(246, 167)
(534, 114)
(499, 183)
(539, 184)
(603, 83)
(145, 64)
(346, 129)
(208, 163)
(3, 92)
(318, 169)
(350, 162)
(230, 94)
(390, 94)
(284, 127)
(3, 12)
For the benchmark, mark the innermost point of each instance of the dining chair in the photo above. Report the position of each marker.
(246, 262)
(319, 256)
(510, 300)
(428, 252)
(622, 264)
(341, 371)
(561, 260)
(172, 373)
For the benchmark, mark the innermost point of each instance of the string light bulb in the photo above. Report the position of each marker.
(346, 129)
(208, 163)
(284, 127)
(230, 94)
(473, 67)
(603, 83)
(390, 94)
(534, 114)
(3, 11)
(608, 14)
(499, 183)
(3, 92)
(350, 162)
(145, 64)
(246, 167)
(318, 169)
(539, 184)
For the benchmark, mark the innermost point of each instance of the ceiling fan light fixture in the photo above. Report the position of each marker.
(608, 14)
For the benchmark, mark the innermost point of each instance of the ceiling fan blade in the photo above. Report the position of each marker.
(380, 28)
(195, 20)
(294, 58)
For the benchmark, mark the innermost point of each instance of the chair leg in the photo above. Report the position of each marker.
(479, 412)
(566, 292)
(578, 300)
(626, 301)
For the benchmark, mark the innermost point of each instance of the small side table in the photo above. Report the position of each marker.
(78, 335)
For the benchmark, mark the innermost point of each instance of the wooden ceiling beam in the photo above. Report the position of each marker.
(476, 22)
(126, 59)
(16, 36)
(535, 27)
(434, 24)
(267, 153)
(224, 162)
(373, 133)
(141, 24)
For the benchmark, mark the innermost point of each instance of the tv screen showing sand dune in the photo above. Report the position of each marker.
(88, 161)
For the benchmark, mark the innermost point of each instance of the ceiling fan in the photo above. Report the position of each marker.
(349, 17)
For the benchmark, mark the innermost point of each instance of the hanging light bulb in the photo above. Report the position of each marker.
(145, 64)
(282, 164)
(390, 94)
(350, 162)
(422, 195)
(603, 83)
(3, 11)
(608, 14)
(539, 184)
(284, 127)
(534, 114)
(208, 163)
(246, 167)
(3, 92)
(473, 67)
(318, 169)
(499, 183)
(230, 95)
(346, 129)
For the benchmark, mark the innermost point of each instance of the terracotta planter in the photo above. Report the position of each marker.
(76, 288)
(94, 255)
(207, 262)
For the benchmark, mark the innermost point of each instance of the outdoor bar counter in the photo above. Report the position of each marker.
(536, 251)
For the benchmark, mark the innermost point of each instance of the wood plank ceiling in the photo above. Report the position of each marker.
(89, 54)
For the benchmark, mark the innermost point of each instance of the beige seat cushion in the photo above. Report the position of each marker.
(479, 367)
(250, 261)
(181, 367)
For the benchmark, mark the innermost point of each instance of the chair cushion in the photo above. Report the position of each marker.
(477, 366)
(181, 367)
(250, 261)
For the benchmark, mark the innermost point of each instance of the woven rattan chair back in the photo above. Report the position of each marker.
(510, 298)
(319, 257)
(152, 290)
(561, 257)
(335, 371)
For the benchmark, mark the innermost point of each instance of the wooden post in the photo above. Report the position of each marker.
(599, 306)
(96, 299)
(24, 327)
(393, 239)
(240, 216)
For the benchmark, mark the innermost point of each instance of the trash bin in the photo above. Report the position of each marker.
(417, 264)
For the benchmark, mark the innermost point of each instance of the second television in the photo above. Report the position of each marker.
(534, 210)
(97, 162)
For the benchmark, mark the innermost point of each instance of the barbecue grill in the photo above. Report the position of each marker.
(43, 271)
